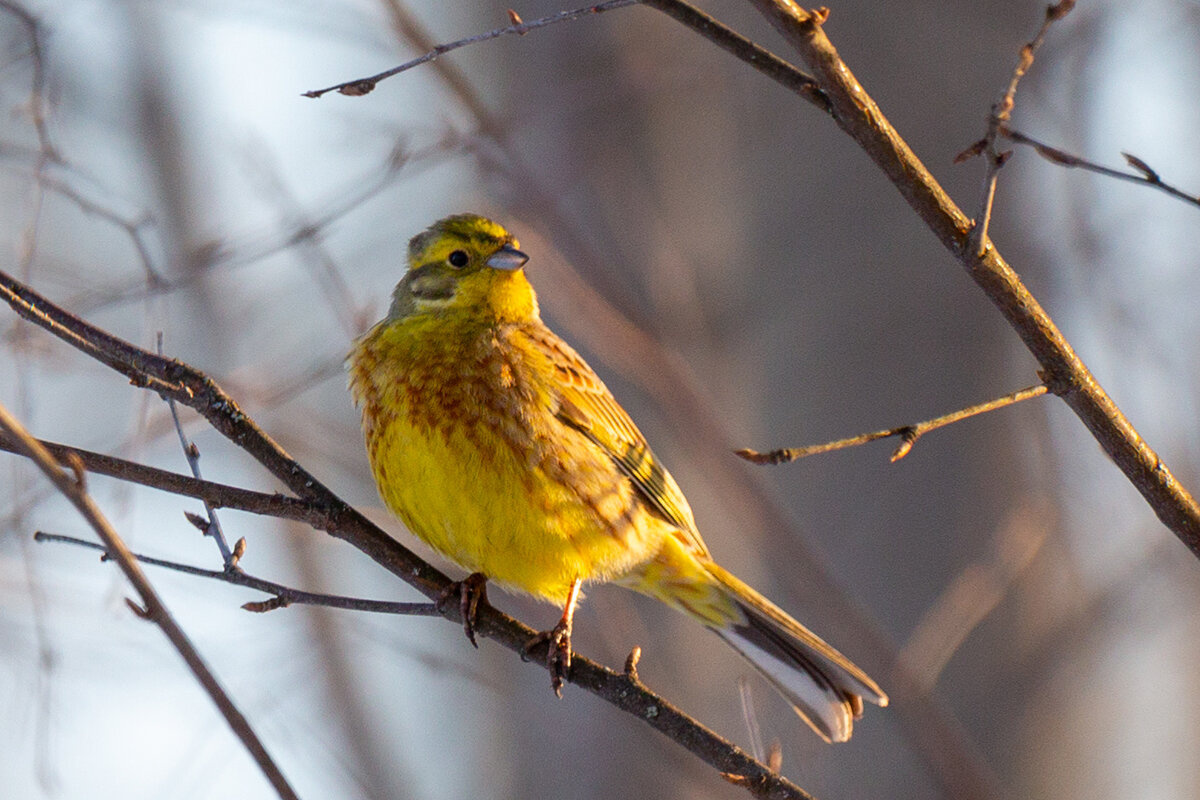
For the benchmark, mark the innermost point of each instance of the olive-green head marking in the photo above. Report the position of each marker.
(467, 265)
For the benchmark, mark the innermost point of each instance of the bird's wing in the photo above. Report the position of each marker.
(585, 404)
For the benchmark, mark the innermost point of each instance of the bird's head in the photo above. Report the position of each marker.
(465, 265)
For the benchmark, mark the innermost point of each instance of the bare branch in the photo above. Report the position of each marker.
(1145, 175)
(281, 595)
(724, 37)
(361, 86)
(1001, 114)
(909, 433)
(153, 609)
(729, 40)
(220, 495)
(212, 526)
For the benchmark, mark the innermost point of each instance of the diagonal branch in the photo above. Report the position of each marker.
(1064, 372)
(72, 487)
(190, 387)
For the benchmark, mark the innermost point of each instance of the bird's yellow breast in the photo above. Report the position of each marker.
(466, 449)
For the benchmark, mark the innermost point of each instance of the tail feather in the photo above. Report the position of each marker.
(825, 688)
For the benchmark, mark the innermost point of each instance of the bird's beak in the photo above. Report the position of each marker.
(507, 258)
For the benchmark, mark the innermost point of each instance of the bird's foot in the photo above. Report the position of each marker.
(558, 656)
(470, 592)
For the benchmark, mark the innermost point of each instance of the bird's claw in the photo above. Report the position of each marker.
(558, 656)
(470, 592)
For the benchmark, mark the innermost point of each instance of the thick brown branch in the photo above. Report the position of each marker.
(909, 433)
(192, 388)
(153, 609)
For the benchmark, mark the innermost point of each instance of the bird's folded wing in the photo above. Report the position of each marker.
(585, 404)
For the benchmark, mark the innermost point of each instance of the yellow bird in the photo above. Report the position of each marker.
(496, 444)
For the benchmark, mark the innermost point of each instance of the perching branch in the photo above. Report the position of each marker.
(190, 387)
(72, 486)
(909, 434)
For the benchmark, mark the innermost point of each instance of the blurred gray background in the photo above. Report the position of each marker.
(739, 274)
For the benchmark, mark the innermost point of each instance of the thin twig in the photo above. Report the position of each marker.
(361, 86)
(282, 595)
(1001, 114)
(909, 433)
(72, 487)
(1145, 175)
(211, 526)
(195, 389)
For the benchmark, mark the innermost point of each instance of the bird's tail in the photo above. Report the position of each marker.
(824, 687)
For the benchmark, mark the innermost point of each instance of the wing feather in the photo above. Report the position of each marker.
(585, 404)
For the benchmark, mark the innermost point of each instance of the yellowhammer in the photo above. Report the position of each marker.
(497, 444)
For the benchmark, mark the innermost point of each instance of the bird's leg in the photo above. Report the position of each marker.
(470, 591)
(558, 658)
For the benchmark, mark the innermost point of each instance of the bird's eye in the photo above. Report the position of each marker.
(458, 258)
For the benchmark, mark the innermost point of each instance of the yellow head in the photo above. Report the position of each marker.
(465, 267)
